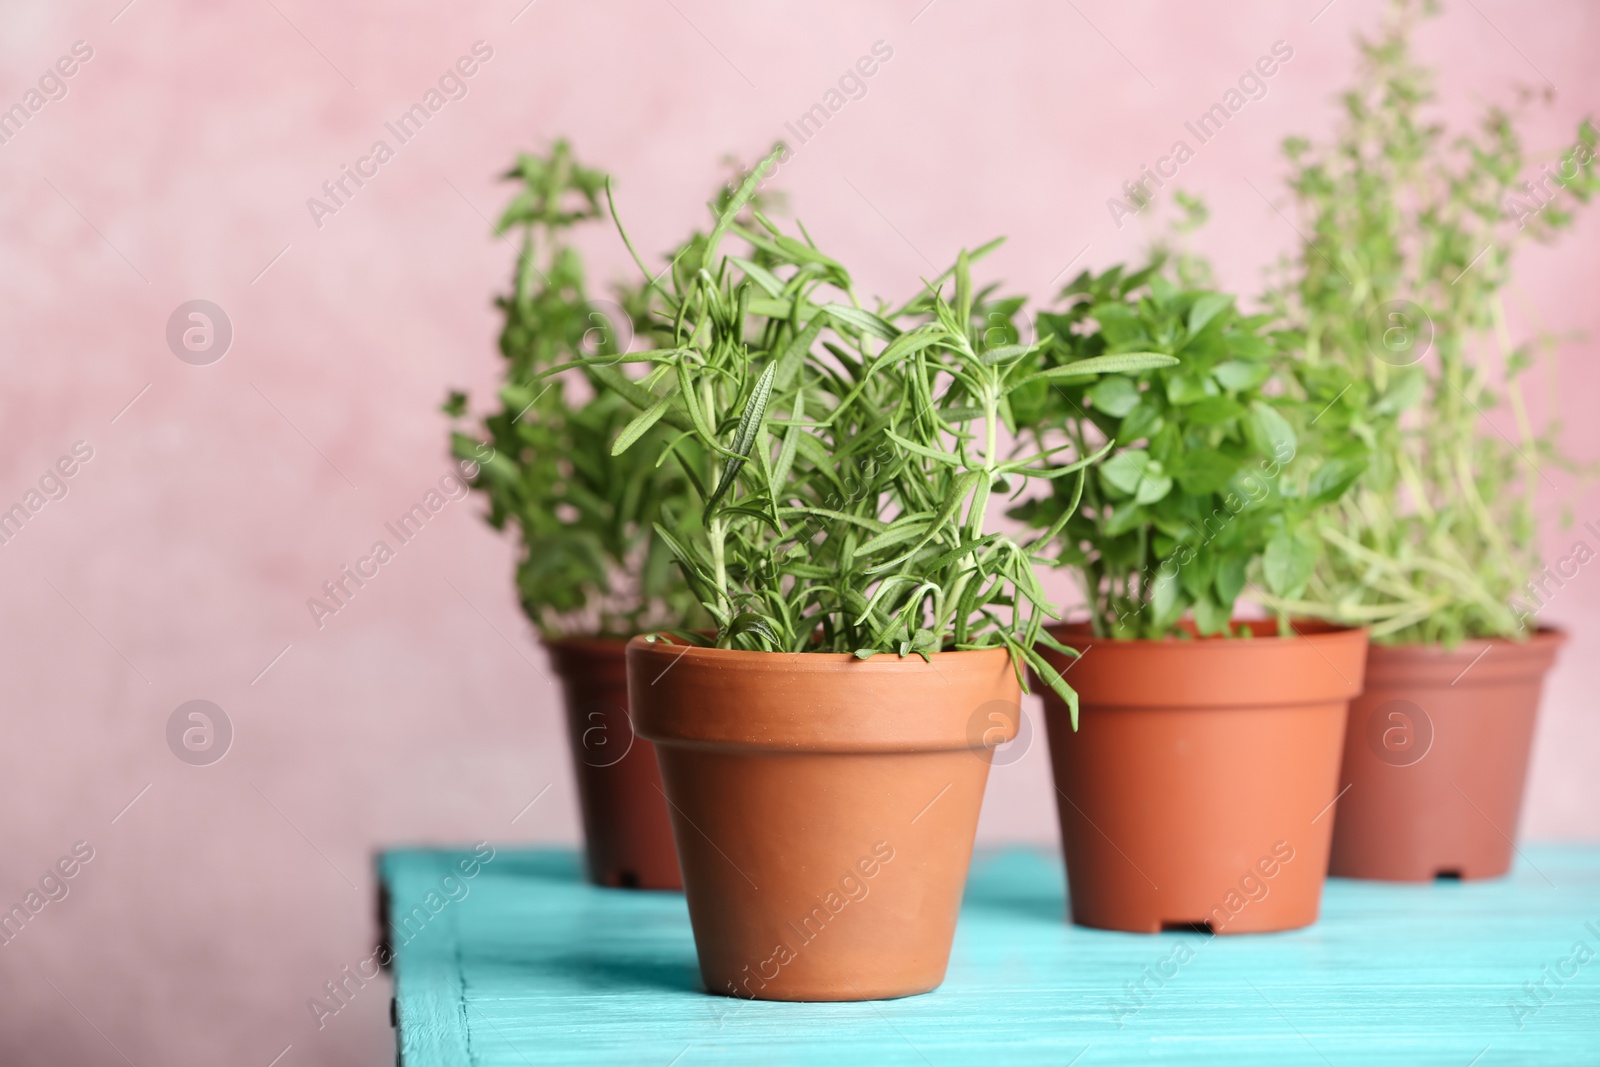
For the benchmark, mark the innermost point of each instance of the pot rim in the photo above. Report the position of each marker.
(733, 701)
(1541, 638)
(664, 645)
(1304, 630)
(1321, 663)
(582, 642)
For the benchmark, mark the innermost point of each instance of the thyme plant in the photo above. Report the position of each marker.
(1400, 341)
(1206, 491)
(590, 561)
(843, 460)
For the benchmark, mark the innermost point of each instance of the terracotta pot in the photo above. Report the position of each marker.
(1435, 758)
(824, 808)
(1196, 791)
(627, 837)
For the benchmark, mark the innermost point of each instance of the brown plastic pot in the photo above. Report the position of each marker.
(824, 808)
(1196, 791)
(627, 836)
(1435, 759)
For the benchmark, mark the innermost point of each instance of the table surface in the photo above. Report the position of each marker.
(533, 965)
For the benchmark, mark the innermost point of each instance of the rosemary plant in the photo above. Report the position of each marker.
(590, 560)
(1400, 341)
(842, 460)
(1206, 491)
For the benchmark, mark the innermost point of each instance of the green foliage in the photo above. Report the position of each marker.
(1205, 492)
(842, 459)
(1399, 340)
(590, 561)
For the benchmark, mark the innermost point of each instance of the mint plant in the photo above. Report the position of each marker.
(590, 560)
(843, 460)
(1399, 338)
(1206, 491)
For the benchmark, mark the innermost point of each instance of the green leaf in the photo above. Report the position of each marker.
(1052, 678)
(1230, 580)
(1189, 388)
(755, 410)
(1123, 518)
(1237, 376)
(1289, 559)
(899, 532)
(1125, 470)
(1007, 353)
(1209, 617)
(1166, 601)
(1214, 411)
(1145, 420)
(865, 321)
(1202, 471)
(737, 202)
(1206, 308)
(1120, 363)
(639, 425)
(760, 275)
(1153, 485)
(1403, 393)
(1333, 478)
(1270, 432)
(1114, 395)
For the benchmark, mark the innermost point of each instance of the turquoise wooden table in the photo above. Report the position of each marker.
(524, 963)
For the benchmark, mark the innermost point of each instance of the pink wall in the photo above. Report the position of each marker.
(178, 566)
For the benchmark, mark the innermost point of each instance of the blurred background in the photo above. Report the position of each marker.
(176, 163)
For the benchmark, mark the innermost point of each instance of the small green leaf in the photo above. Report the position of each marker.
(1114, 395)
(1207, 308)
(639, 425)
(1230, 580)
(1154, 484)
(865, 321)
(1270, 432)
(1124, 470)
(1166, 600)
(1288, 561)
(1403, 393)
(1209, 617)
(1237, 376)
(1330, 480)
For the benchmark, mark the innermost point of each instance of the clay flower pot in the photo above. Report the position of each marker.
(1196, 791)
(824, 808)
(1435, 758)
(627, 838)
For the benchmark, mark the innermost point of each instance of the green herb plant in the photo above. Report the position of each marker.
(842, 459)
(590, 561)
(1206, 491)
(1401, 349)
